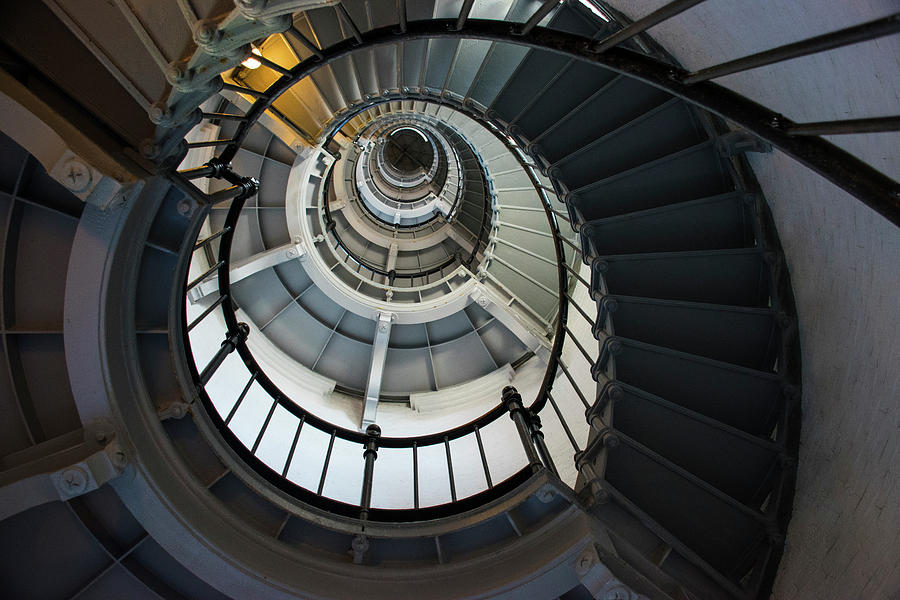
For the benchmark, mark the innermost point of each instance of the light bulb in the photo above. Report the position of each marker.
(250, 62)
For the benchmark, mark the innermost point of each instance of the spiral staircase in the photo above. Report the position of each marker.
(414, 304)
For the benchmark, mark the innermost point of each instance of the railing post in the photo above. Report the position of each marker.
(231, 341)
(359, 545)
(537, 436)
(520, 416)
(373, 432)
(596, 493)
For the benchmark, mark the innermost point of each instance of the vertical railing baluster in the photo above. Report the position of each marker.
(290, 457)
(228, 345)
(537, 436)
(401, 15)
(265, 425)
(563, 422)
(206, 312)
(325, 466)
(487, 472)
(211, 238)
(464, 14)
(373, 432)
(237, 403)
(450, 469)
(520, 417)
(416, 474)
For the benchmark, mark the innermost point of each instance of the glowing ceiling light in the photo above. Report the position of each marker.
(250, 62)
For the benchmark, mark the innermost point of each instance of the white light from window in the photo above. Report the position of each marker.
(250, 62)
(594, 9)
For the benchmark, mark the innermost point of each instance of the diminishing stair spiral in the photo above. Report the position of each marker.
(545, 295)
(406, 202)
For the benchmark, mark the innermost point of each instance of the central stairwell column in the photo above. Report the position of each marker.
(376, 368)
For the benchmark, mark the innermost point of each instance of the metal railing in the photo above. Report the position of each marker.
(802, 141)
(525, 417)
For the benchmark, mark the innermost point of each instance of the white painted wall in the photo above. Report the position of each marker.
(845, 264)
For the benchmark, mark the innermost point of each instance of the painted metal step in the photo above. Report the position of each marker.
(607, 107)
(719, 529)
(738, 464)
(746, 399)
(671, 127)
(737, 277)
(692, 173)
(734, 334)
(561, 97)
(724, 221)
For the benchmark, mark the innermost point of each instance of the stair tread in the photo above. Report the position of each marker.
(717, 530)
(738, 335)
(744, 398)
(727, 458)
(706, 224)
(734, 276)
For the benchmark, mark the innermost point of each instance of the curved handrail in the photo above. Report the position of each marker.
(258, 376)
(879, 192)
(848, 172)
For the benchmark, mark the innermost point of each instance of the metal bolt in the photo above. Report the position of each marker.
(185, 208)
(76, 175)
(617, 592)
(206, 31)
(75, 480)
(120, 459)
(584, 563)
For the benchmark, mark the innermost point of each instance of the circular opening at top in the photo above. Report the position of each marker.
(409, 151)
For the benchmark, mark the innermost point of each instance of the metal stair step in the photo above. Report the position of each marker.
(743, 398)
(533, 74)
(737, 277)
(724, 221)
(720, 530)
(689, 174)
(577, 83)
(671, 126)
(733, 334)
(608, 107)
(734, 462)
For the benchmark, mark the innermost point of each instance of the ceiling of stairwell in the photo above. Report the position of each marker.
(408, 151)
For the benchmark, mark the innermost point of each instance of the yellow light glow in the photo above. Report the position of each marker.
(250, 62)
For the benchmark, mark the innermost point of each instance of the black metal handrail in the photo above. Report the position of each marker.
(860, 179)
(638, 66)
(797, 140)
(236, 341)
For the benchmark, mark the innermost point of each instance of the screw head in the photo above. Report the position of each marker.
(584, 563)
(74, 480)
(617, 592)
(76, 175)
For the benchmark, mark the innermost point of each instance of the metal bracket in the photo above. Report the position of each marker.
(599, 580)
(741, 142)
